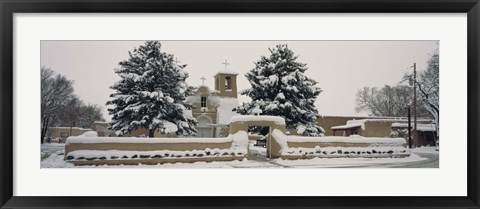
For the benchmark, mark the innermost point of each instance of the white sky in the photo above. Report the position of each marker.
(339, 67)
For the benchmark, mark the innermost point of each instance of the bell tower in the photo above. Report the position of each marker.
(226, 82)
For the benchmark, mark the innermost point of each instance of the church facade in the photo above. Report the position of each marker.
(213, 108)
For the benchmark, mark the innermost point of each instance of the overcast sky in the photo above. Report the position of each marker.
(339, 67)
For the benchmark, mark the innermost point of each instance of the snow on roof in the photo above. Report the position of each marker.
(354, 125)
(211, 91)
(361, 122)
(420, 126)
(224, 110)
(371, 118)
(375, 120)
(227, 70)
(97, 121)
(243, 118)
(76, 128)
(129, 140)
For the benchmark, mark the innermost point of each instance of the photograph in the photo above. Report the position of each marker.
(239, 104)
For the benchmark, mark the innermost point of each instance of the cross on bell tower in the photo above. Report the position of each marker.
(226, 63)
(226, 81)
(203, 80)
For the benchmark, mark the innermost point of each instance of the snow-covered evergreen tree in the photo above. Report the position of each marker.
(280, 88)
(151, 94)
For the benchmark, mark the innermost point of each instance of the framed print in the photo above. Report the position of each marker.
(197, 104)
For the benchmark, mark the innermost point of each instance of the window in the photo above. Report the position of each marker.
(228, 82)
(203, 102)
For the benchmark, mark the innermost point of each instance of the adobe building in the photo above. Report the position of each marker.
(425, 133)
(327, 122)
(60, 134)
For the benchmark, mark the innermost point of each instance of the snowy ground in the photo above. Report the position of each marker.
(51, 148)
(424, 157)
(428, 150)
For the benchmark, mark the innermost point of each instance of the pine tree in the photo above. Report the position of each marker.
(151, 94)
(280, 88)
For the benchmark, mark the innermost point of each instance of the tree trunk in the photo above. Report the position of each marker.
(151, 133)
(42, 135)
(44, 130)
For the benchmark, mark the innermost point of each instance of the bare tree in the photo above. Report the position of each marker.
(428, 88)
(56, 91)
(77, 114)
(391, 101)
(89, 114)
(72, 113)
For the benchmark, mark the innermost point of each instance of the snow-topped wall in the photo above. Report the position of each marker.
(295, 147)
(85, 150)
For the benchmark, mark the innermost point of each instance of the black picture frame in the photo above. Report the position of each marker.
(10, 7)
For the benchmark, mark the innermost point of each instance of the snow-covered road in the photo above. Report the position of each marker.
(425, 157)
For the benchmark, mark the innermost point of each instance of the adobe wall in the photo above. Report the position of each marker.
(150, 147)
(327, 122)
(381, 128)
(326, 144)
(376, 129)
(344, 150)
(298, 157)
(155, 161)
(146, 146)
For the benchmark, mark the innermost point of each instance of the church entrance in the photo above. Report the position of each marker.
(204, 129)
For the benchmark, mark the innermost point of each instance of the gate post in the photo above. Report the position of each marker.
(241, 123)
(274, 148)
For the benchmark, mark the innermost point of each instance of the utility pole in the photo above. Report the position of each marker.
(415, 103)
(409, 130)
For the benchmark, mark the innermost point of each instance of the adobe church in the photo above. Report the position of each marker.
(213, 108)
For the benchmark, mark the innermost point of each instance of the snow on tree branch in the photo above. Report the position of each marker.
(151, 94)
(280, 88)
